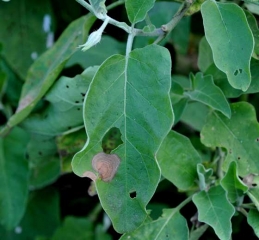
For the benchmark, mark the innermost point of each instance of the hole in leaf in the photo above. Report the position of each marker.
(238, 158)
(83, 94)
(69, 128)
(78, 109)
(76, 101)
(111, 140)
(83, 99)
(67, 86)
(236, 73)
(257, 139)
(254, 184)
(40, 153)
(133, 194)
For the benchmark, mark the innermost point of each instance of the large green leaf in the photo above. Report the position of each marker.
(46, 69)
(41, 218)
(178, 159)
(215, 210)
(231, 40)
(171, 225)
(64, 112)
(253, 220)
(137, 9)
(205, 91)
(121, 95)
(234, 187)
(26, 31)
(239, 135)
(14, 177)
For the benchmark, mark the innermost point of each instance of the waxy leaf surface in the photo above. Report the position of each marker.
(121, 95)
(215, 210)
(231, 40)
(239, 135)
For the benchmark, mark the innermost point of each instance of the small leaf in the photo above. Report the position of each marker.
(46, 69)
(234, 187)
(204, 176)
(215, 210)
(137, 10)
(178, 159)
(120, 97)
(205, 91)
(14, 177)
(239, 135)
(197, 233)
(231, 53)
(171, 225)
(74, 227)
(253, 220)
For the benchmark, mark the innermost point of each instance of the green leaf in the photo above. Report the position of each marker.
(30, 25)
(239, 135)
(253, 194)
(231, 53)
(220, 80)
(204, 176)
(215, 210)
(197, 233)
(120, 97)
(44, 163)
(253, 220)
(205, 91)
(64, 112)
(234, 187)
(137, 10)
(254, 27)
(41, 218)
(68, 145)
(74, 228)
(97, 54)
(14, 177)
(205, 58)
(178, 159)
(171, 225)
(160, 15)
(194, 115)
(46, 69)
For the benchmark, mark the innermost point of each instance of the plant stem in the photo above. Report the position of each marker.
(183, 203)
(220, 162)
(86, 5)
(243, 211)
(130, 42)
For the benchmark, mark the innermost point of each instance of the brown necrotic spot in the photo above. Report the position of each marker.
(106, 165)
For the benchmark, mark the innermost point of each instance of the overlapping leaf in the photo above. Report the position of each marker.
(14, 177)
(231, 40)
(234, 187)
(121, 95)
(137, 9)
(239, 135)
(45, 70)
(205, 91)
(215, 210)
(178, 159)
(171, 225)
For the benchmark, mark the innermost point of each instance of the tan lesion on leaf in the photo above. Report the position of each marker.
(24, 102)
